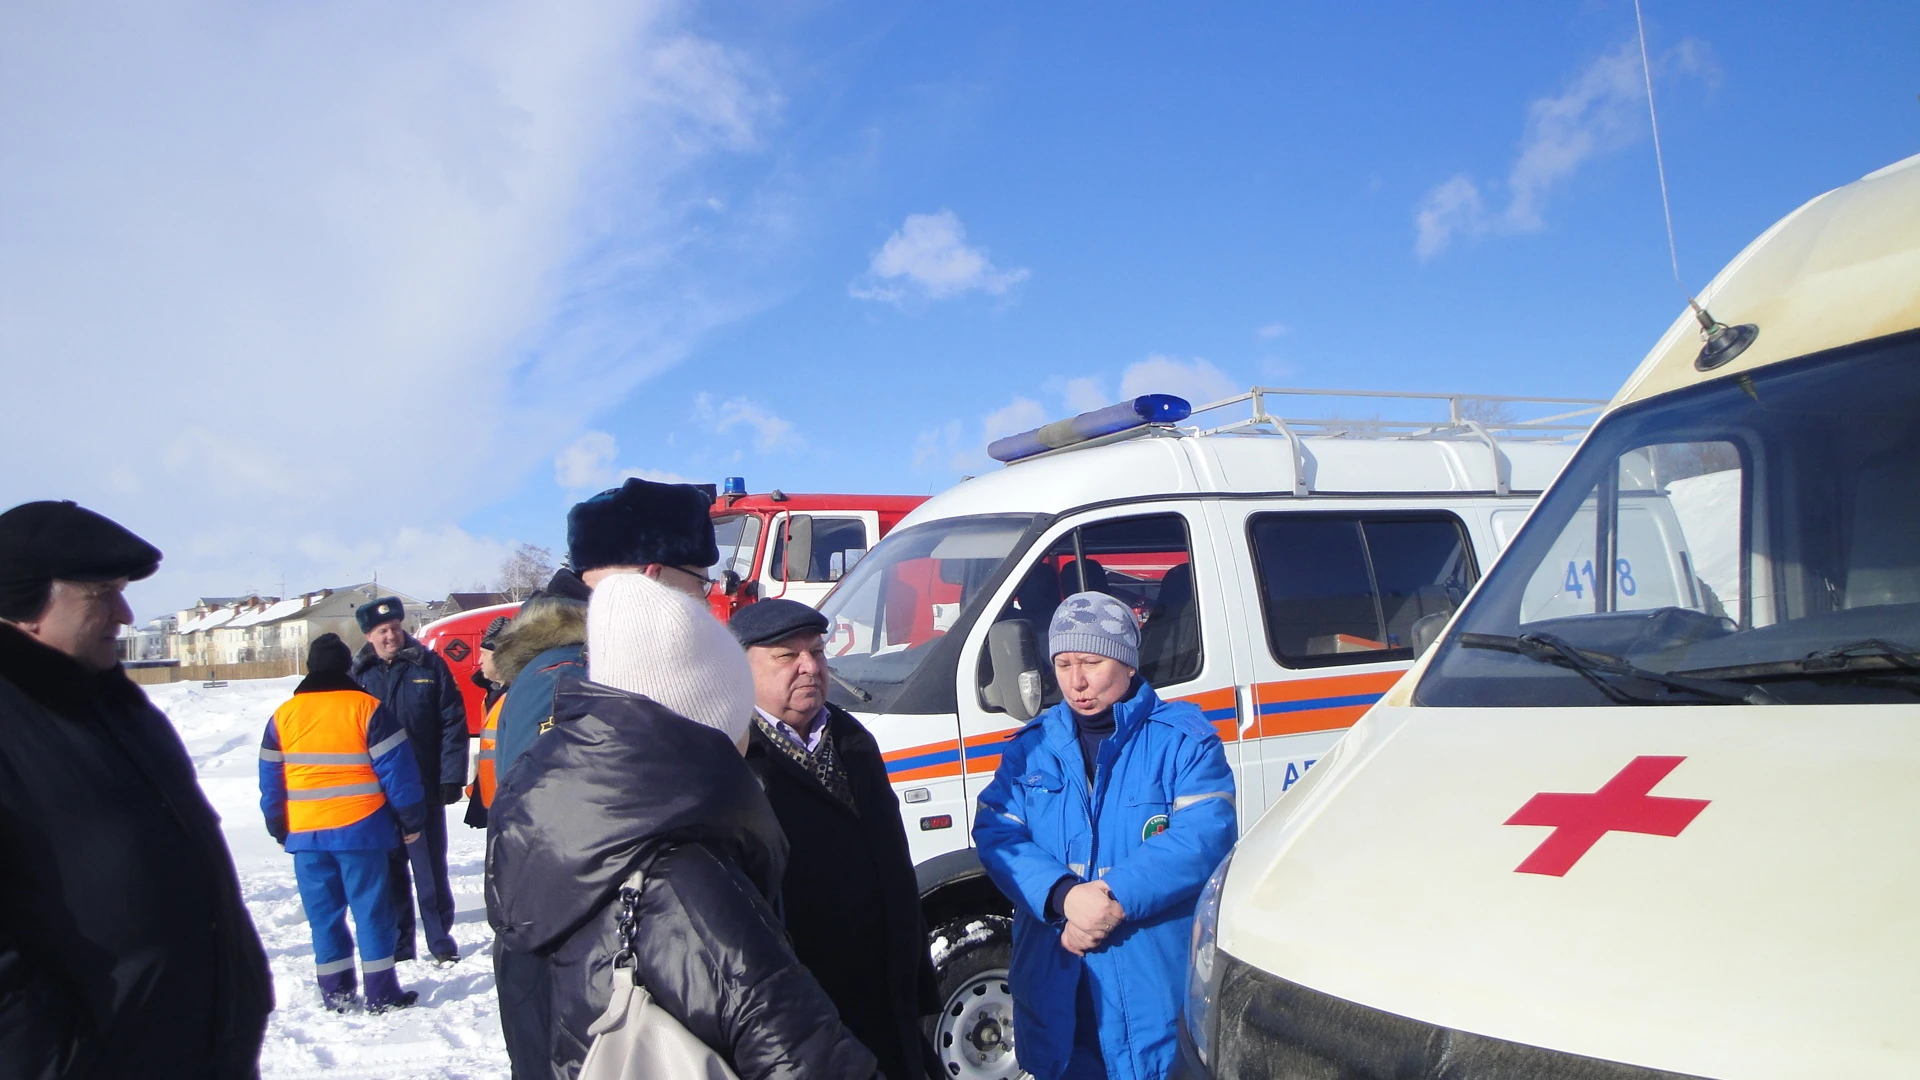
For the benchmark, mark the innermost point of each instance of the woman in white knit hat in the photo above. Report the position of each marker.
(642, 769)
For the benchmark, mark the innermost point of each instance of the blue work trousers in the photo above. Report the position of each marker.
(427, 859)
(331, 883)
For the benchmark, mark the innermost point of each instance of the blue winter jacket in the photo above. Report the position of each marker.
(1157, 822)
(529, 702)
(406, 807)
(420, 692)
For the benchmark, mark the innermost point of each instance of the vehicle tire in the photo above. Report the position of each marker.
(972, 1035)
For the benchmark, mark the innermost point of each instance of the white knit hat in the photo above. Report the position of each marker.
(646, 638)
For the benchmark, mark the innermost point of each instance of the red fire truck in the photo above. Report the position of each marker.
(771, 545)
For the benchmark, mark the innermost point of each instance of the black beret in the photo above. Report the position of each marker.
(774, 620)
(44, 541)
(374, 612)
(328, 655)
(491, 635)
(641, 522)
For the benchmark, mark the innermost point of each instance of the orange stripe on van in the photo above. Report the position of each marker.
(1301, 705)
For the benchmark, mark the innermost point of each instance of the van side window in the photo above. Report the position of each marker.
(1348, 588)
(838, 543)
(1145, 563)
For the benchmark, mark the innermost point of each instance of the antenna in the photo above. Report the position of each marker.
(1721, 342)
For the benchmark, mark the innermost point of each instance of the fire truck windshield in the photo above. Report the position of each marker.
(887, 615)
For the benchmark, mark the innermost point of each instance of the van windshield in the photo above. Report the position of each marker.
(1755, 539)
(891, 611)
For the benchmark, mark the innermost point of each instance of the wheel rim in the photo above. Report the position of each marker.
(974, 1035)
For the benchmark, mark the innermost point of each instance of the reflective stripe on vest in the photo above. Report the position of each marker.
(326, 760)
(486, 777)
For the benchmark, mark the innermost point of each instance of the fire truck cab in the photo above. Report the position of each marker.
(771, 545)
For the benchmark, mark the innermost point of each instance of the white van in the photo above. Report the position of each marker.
(1614, 826)
(1283, 569)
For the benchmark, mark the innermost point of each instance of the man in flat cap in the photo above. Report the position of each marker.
(851, 899)
(125, 949)
(417, 687)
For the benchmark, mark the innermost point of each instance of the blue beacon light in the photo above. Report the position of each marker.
(736, 485)
(1135, 412)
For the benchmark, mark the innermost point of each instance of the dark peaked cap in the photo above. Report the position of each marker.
(41, 542)
(768, 621)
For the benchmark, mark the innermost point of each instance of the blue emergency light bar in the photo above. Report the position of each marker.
(1136, 412)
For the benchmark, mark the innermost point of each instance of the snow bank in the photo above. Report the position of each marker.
(454, 1034)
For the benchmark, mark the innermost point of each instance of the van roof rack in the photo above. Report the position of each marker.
(1483, 417)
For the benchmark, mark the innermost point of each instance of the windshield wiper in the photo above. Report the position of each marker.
(849, 687)
(1602, 670)
(1871, 656)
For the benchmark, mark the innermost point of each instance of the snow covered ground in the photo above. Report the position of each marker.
(454, 1034)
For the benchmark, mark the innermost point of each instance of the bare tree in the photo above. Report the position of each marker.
(525, 570)
(1488, 413)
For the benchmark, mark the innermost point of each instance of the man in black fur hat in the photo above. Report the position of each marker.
(125, 949)
(416, 685)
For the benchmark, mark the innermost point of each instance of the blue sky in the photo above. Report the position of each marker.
(346, 290)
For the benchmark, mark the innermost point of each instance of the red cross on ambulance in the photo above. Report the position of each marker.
(1623, 804)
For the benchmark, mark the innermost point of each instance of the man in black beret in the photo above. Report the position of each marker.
(851, 899)
(125, 949)
(416, 685)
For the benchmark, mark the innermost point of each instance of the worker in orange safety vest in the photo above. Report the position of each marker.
(485, 774)
(339, 787)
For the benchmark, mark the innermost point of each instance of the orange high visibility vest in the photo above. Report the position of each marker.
(326, 759)
(489, 734)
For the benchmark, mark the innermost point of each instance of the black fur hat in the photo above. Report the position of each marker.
(642, 522)
(374, 612)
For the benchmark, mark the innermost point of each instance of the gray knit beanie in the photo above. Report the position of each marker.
(1093, 622)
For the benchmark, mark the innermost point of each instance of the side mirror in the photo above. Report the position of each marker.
(729, 582)
(1426, 630)
(798, 549)
(1016, 688)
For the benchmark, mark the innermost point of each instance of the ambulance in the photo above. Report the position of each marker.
(1622, 826)
(1284, 570)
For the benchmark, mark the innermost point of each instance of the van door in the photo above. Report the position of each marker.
(1159, 563)
(1339, 595)
(841, 538)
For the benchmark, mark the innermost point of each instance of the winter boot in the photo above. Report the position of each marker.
(383, 992)
(336, 989)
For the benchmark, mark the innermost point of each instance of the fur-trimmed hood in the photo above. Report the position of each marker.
(545, 622)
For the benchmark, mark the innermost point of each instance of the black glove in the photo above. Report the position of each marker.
(278, 830)
(451, 793)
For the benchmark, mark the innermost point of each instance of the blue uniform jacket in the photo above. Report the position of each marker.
(530, 702)
(420, 692)
(1158, 820)
(399, 782)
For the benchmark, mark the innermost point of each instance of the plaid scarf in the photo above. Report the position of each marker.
(823, 764)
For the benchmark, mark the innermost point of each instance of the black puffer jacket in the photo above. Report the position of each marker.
(621, 782)
(125, 949)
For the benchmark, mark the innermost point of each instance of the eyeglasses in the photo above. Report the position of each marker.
(706, 583)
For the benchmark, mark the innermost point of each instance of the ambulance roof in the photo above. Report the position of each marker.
(1164, 461)
(1843, 268)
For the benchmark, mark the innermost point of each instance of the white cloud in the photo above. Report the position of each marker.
(928, 256)
(343, 270)
(945, 449)
(1085, 394)
(1601, 109)
(770, 432)
(659, 476)
(1020, 414)
(1196, 380)
(587, 463)
(1273, 330)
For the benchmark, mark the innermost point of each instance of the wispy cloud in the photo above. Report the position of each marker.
(928, 257)
(770, 432)
(1601, 110)
(1196, 380)
(1273, 330)
(587, 463)
(362, 242)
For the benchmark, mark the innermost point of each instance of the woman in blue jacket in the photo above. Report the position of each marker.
(1102, 823)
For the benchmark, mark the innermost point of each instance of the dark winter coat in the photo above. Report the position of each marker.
(618, 783)
(125, 949)
(545, 642)
(850, 897)
(419, 690)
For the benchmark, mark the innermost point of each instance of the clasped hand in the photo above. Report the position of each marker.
(1091, 913)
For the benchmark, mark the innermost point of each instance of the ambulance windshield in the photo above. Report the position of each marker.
(1753, 539)
(892, 612)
